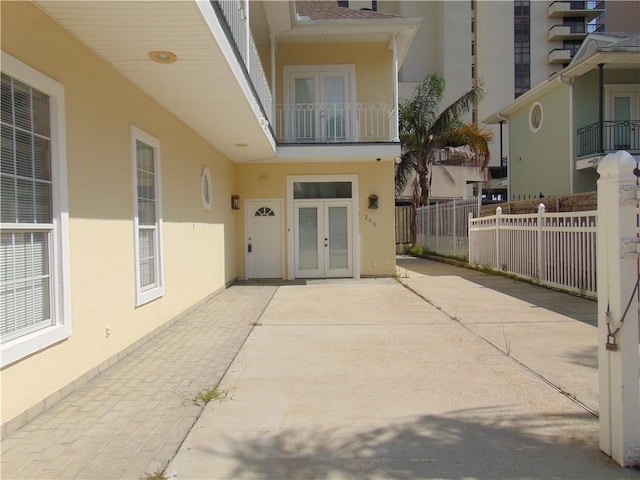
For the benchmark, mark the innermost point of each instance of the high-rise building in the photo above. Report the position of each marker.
(507, 46)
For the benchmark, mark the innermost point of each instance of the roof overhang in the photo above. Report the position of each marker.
(610, 59)
(350, 31)
(205, 88)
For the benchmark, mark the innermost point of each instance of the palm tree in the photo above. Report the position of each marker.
(423, 132)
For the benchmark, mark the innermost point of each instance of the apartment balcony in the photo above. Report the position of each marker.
(616, 135)
(587, 9)
(562, 55)
(334, 123)
(573, 31)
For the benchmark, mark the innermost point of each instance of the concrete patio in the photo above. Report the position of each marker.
(443, 373)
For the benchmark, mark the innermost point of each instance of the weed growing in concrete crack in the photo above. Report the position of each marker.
(573, 396)
(157, 475)
(507, 341)
(203, 397)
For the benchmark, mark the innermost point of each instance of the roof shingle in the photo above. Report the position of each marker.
(329, 10)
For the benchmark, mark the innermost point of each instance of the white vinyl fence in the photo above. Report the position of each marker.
(442, 228)
(554, 249)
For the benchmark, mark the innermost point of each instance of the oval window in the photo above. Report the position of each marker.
(535, 117)
(206, 188)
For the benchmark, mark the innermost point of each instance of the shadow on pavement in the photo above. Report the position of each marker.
(483, 444)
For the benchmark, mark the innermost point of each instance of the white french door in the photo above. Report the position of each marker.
(323, 239)
(319, 105)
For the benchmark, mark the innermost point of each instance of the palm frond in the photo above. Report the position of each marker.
(449, 118)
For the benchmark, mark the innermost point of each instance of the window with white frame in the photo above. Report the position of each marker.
(34, 269)
(147, 216)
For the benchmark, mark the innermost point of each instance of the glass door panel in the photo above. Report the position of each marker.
(304, 116)
(307, 241)
(339, 242)
(621, 117)
(334, 103)
(338, 237)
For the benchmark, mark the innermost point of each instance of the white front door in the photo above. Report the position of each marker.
(323, 239)
(263, 245)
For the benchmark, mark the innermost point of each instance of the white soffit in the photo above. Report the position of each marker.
(200, 88)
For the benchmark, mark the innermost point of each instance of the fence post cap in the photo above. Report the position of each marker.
(541, 208)
(499, 211)
(617, 165)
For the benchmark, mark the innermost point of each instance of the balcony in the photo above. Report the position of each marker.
(617, 135)
(334, 123)
(234, 21)
(574, 31)
(562, 54)
(587, 9)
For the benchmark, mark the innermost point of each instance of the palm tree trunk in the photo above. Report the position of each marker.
(414, 211)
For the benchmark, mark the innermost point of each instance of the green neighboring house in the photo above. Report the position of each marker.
(562, 128)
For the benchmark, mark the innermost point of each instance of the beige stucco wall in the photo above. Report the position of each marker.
(377, 242)
(199, 245)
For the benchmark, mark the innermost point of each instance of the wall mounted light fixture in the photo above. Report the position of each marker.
(373, 201)
(235, 202)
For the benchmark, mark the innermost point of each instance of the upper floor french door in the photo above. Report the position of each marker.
(624, 114)
(319, 103)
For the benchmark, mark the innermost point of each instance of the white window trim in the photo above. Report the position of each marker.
(291, 71)
(148, 295)
(532, 127)
(612, 90)
(21, 347)
(205, 179)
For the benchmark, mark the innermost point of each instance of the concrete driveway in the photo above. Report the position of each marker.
(375, 379)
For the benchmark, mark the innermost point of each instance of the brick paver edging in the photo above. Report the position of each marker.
(131, 419)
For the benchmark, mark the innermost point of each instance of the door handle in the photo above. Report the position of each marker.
(249, 248)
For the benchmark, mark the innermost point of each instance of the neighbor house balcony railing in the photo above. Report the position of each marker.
(587, 9)
(334, 122)
(562, 54)
(233, 19)
(620, 135)
(574, 30)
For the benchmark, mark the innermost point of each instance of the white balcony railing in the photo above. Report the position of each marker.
(235, 18)
(334, 122)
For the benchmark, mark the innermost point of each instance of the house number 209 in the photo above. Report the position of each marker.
(368, 219)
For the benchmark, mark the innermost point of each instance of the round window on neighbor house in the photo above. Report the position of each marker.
(206, 188)
(535, 117)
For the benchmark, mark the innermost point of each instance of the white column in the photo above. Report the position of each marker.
(395, 134)
(617, 266)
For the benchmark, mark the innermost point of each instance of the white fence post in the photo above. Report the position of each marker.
(455, 230)
(498, 215)
(469, 242)
(437, 229)
(617, 258)
(540, 240)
